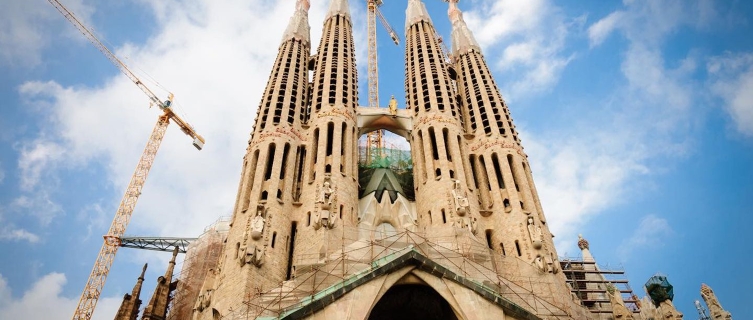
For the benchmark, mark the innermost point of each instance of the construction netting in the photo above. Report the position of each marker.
(202, 256)
(659, 289)
(386, 157)
(354, 254)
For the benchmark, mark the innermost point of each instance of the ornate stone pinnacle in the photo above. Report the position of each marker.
(582, 243)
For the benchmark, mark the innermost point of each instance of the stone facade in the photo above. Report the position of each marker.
(307, 241)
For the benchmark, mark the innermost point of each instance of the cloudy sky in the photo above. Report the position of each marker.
(637, 117)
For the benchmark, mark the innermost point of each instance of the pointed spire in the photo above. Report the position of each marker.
(338, 7)
(462, 38)
(415, 13)
(298, 27)
(129, 308)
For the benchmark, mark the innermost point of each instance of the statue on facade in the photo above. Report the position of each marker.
(393, 106)
(534, 232)
(461, 200)
(324, 216)
(257, 223)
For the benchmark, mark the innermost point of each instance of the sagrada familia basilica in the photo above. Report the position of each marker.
(455, 232)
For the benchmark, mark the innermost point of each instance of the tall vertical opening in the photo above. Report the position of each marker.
(444, 217)
(514, 172)
(270, 162)
(517, 248)
(489, 238)
(330, 137)
(291, 249)
(434, 148)
(498, 171)
(314, 154)
(446, 141)
(342, 148)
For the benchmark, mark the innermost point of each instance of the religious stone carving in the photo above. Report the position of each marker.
(393, 106)
(254, 254)
(461, 199)
(324, 216)
(667, 311)
(204, 299)
(619, 311)
(552, 264)
(534, 232)
(539, 263)
(257, 223)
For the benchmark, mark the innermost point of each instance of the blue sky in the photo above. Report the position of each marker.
(637, 117)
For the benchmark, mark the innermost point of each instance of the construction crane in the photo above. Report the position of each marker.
(104, 261)
(374, 139)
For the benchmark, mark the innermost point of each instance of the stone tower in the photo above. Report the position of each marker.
(160, 302)
(459, 235)
(715, 308)
(129, 308)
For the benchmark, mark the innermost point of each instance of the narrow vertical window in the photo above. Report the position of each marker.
(434, 149)
(444, 217)
(489, 238)
(274, 238)
(270, 162)
(342, 148)
(498, 171)
(314, 154)
(291, 249)
(517, 247)
(446, 141)
(285, 152)
(330, 136)
(514, 172)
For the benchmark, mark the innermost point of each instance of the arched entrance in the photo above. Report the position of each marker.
(412, 302)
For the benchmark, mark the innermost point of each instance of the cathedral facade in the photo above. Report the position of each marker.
(459, 233)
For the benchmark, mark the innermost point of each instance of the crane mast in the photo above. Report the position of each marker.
(103, 263)
(374, 141)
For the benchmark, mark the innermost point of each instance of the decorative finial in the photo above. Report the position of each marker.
(143, 271)
(582, 243)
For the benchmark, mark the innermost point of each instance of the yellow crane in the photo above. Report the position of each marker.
(96, 281)
(374, 139)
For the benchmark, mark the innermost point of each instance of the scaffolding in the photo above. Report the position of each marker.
(590, 283)
(358, 255)
(201, 257)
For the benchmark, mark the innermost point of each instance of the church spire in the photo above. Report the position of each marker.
(129, 308)
(157, 307)
(298, 27)
(462, 38)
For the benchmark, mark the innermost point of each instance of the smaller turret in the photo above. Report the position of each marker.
(715, 308)
(157, 308)
(129, 308)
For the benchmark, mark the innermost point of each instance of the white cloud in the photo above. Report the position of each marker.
(525, 37)
(732, 80)
(11, 234)
(651, 232)
(42, 301)
(35, 159)
(600, 30)
(23, 32)
(216, 61)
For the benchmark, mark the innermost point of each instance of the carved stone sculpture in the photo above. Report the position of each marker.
(257, 223)
(715, 308)
(393, 106)
(253, 254)
(534, 232)
(461, 200)
(326, 200)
